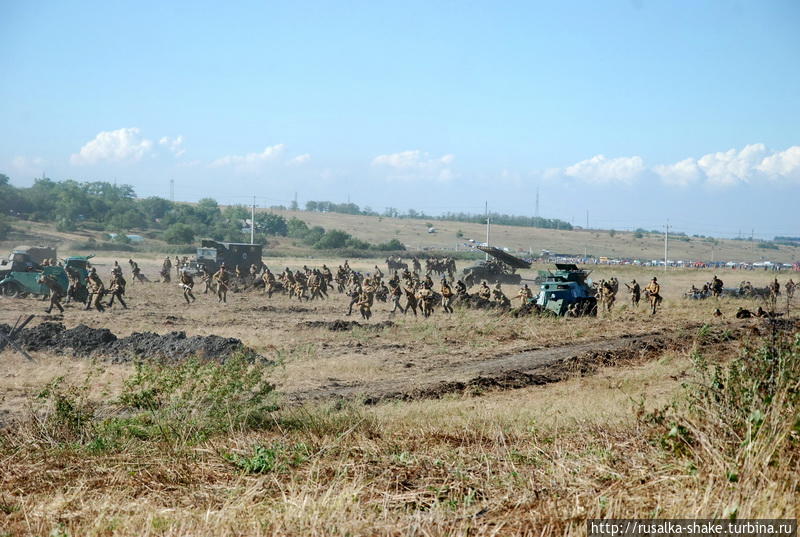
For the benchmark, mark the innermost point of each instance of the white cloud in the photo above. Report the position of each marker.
(754, 162)
(299, 159)
(732, 166)
(416, 164)
(175, 145)
(785, 164)
(121, 145)
(600, 169)
(28, 166)
(681, 173)
(251, 161)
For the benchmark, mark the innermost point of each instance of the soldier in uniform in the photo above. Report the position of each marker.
(269, 282)
(396, 292)
(117, 288)
(411, 298)
(774, 289)
(716, 286)
(364, 304)
(425, 299)
(166, 266)
(76, 290)
(653, 294)
(96, 290)
(790, 286)
(205, 278)
(355, 295)
(635, 292)
(484, 292)
(187, 283)
(314, 285)
(56, 292)
(524, 294)
(499, 296)
(221, 281)
(461, 288)
(447, 296)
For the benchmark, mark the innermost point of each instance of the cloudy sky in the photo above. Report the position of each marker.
(636, 111)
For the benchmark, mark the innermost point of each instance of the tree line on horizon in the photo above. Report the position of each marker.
(391, 212)
(102, 206)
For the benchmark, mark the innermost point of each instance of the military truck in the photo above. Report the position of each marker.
(23, 283)
(566, 291)
(502, 269)
(212, 254)
(26, 258)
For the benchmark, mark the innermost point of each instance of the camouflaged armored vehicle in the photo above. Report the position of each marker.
(566, 291)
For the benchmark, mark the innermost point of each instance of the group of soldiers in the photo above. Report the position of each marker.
(606, 293)
(90, 293)
(441, 266)
(715, 288)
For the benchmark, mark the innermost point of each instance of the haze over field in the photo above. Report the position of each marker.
(636, 111)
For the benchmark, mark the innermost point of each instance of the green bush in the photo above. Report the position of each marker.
(740, 417)
(178, 234)
(275, 458)
(196, 398)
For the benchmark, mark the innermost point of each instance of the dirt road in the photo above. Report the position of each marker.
(535, 366)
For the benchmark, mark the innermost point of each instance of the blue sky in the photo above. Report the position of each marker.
(638, 111)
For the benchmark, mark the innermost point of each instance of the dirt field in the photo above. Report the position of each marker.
(459, 424)
(399, 358)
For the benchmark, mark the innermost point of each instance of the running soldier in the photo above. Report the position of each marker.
(447, 296)
(653, 291)
(117, 288)
(790, 286)
(187, 283)
(635, 292)
(96, 291)
(221, 280)
(269, 282)
(56, 292)
(396, 293)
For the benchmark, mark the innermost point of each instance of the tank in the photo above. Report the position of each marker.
(501, 269)
(566, 291)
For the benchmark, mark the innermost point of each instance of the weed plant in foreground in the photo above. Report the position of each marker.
(204, 449)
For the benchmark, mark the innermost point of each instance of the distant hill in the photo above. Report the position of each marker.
(414, 234)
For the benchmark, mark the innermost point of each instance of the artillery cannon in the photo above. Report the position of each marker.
(502, 269)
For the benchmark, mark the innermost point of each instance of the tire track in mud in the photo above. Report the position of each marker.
(532, 367)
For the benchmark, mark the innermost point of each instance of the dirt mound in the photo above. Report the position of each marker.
(340, 325)
(85, 341)
(174, 346)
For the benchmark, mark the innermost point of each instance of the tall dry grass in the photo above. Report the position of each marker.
(688, 435)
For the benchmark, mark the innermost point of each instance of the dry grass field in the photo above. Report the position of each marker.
(623, 244)
(422, 427)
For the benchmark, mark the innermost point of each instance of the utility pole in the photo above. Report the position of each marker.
(666, 244)
(487, 228)
(253, 222)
